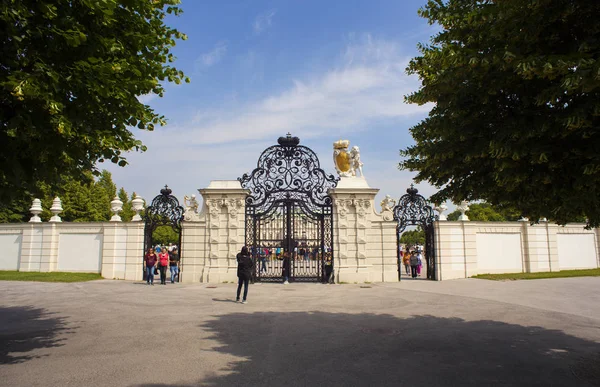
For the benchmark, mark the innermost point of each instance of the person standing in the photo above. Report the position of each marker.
(420, 259)
(414, 263)
(150, 261)
(174, 264)
(328, 268)
(285, 270)
(244, 272)
(163, 262)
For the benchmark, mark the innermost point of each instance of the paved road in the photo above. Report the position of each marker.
(415, 333)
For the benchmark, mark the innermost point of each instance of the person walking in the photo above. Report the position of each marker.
(174, 264)
(406, 261)
(420, 264)
(150, 260)
(163, 262)
(285, 270)
(414, 263)
(244, 272)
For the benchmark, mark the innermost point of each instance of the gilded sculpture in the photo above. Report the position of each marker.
(347, 163)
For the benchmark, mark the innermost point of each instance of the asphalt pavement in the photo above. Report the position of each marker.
(414, 333)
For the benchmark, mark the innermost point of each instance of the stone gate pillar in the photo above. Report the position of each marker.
(223, 211)
(356, 253)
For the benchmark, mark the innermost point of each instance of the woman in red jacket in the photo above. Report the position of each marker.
(163, 262)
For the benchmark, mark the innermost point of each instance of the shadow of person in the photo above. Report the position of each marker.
(24, 329)
(342, 349)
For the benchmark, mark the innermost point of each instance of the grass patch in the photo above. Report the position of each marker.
(528, 276)
(47, 277)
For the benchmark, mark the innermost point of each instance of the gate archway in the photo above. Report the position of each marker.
(163, 211)
(289, 211)
(413, 210)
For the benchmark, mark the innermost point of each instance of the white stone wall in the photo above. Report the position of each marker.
(364, 243)
(80, 252)
(113, 249)
(465, 249)
(10, 243)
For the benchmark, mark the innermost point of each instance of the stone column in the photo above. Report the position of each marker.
(353, 212)
(223, 208)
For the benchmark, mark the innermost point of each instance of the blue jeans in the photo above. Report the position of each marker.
(174, 272)
(150, 274)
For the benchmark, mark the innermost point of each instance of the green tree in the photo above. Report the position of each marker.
(86, 200)
(127, 212)
(71, 74)
(15, 211)
(165, 235)
(104, 191)
(413, 237)
(485, 212)
(516, 114)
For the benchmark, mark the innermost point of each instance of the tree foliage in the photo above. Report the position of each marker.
(85, 200)
(413, 237)
(127, 212)
(516, 116)
(485, 212)
(164, 235)
(71, 74)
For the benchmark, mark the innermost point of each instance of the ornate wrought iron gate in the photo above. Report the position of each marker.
(413, 210)
(289, 211)
(164, 211)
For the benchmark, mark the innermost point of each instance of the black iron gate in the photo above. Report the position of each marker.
(289, 212)
(413, 210)
(163, 211)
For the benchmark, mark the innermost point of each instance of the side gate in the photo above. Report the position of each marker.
(414, 210)
(163, 211)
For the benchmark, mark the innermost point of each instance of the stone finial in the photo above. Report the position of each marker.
(137, 205)
(56, 209)
(116, 206)
(441, 208)
(36, 209)
(463, 207)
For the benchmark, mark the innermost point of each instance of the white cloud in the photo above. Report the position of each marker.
(146, 98)
(364, 89)
(368, 84)
(263, 21)
(215, 55)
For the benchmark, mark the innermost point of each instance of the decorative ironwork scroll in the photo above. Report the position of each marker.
(414, 210)
(288, 171)
(289, 212)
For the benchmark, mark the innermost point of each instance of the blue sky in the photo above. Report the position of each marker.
(323, 71)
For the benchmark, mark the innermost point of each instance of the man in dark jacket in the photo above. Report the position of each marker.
(244, 272)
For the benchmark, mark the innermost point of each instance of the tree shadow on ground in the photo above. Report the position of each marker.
(24, 329)
(341, 349)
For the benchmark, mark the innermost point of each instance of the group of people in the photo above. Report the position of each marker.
(300, 252)
(246, 266)
(159, 258)
(412, 260)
